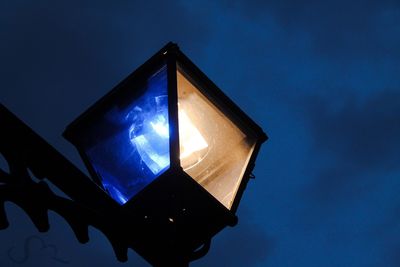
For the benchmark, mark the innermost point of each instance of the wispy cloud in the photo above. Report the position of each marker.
(246, 245)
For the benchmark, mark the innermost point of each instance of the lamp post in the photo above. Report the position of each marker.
(173, 152)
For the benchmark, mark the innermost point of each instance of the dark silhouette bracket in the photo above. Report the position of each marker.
(28, 154)
(170, 222)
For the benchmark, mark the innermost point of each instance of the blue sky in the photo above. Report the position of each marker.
(321, 78)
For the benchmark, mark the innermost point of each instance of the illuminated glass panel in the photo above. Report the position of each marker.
(213, 150)
(128, 145)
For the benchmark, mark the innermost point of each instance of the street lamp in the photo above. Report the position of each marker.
(173, 151)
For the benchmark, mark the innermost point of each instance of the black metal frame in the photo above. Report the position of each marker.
(224, 103)
(126, 226)
(174, 59)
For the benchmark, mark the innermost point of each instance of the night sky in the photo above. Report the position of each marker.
(322, 78)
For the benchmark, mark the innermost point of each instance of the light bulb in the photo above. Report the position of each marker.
(149, 134)
(193, 146)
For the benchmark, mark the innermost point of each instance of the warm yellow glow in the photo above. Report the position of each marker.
(214, 151)
(191, 141)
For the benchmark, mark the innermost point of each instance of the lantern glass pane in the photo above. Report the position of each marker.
(213, 150)
(129, 143)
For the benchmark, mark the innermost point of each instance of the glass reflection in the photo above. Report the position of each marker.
(193, 146)
(213, 150)
(128, 146)
(150, 136)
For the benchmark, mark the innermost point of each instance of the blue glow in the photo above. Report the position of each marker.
(128, 146)
(161, 126)
(152, 141)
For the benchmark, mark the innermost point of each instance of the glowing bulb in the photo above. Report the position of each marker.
(149, 134)
(161, 126)
(192, 143)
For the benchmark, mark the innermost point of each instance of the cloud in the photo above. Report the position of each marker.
(35, 248)
(359, 134)
(245, 245)
(338, 28)
(355, 142)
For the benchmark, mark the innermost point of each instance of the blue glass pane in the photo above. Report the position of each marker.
(128, 146)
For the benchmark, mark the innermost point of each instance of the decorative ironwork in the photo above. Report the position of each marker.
(28, 154)
(171, 221)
